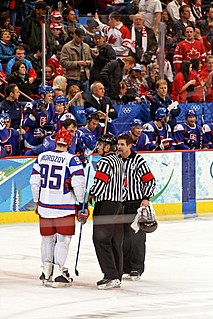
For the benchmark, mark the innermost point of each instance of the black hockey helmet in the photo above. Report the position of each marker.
(108, 139)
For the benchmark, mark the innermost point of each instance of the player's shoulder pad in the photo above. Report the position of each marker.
(178, 127)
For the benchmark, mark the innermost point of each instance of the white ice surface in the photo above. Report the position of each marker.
(177, 283)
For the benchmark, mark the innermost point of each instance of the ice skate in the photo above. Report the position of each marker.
(108, 284)
(64, 280)
(134, 275)
(46, 276)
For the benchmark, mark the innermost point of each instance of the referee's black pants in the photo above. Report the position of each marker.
(134, 245)
(108, 237)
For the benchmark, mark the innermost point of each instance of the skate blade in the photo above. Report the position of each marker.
(126, 277)
(135, 278)
(106, 287)
(61, 284)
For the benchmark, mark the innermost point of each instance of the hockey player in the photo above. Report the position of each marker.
(107, 216)
(159, 132)
(187, 135)
(38, 117)
(140, 187)
(56, 200)
(140, 141)
(208, 130)
(9, 137)
(61, 113)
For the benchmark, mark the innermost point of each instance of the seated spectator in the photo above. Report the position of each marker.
(132, 82)
(60, 82)
(203, 25)
(7, 48)
(98, 100)
(198, 94)
(175, 13)
(70, 21)
(92, 28)
(49, 74)
(206, 75)
(20, 56)
(20, 77)
(9, 137)
(11, 106)
(142, 78)
(5, 25)
(112, 74)
(153, 76)
(184, 82)
(74, 96)
(101, 54)
(187, 135)
(35, 57)
(124, 98)
(54, 60)
(159, 132)
(162, 99)
(140, 141)
(197, 10)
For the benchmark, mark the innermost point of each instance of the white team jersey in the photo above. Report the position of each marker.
(50, 171)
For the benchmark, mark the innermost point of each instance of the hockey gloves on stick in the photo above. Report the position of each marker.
(82, 215)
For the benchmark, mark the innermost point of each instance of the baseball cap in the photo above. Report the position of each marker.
(56, 14)
(80, 33)
(55, 25)
(137, 67)
(98, 34)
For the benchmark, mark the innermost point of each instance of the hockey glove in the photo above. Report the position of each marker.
(68, 184)
(90, 199)
(82, 215)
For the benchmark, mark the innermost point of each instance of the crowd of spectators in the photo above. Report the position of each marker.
(110, 58)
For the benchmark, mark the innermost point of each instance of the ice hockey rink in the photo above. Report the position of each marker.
(177, 283)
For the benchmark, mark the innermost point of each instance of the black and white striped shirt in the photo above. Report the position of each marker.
(108, 180)
(140, 180)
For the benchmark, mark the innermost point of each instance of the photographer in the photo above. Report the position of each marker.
(153, 76)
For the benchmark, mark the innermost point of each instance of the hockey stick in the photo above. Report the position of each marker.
(202, 123)
(22, 93)
(84, 202)
(106, 119)
(33, 113)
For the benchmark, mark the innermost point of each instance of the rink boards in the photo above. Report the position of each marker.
(184, 185)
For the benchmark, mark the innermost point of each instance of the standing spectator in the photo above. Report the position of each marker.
(20, 77)
(173, 9)
(203, 25)
(49, 74)
(60, 82)
(76, 59)
(198, 94)
(188, 49)
(102, 54)
(151, 11)
(31, 27)
(206, 75)
(20, 56)
(112, 74)
(11, 106)
(184, 82)
(7, 48)
(141, 185)
(197, 10)
(153, 76)
(55, 36)
(107, 214)
(54, 60)
(98, 100)
(56, 204)
(117, 34)
(35, 57)
(70, 21)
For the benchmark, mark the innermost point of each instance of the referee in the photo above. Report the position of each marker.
(140, 187)
(108, 212)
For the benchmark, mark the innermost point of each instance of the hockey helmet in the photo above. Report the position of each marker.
(191, 112)
(90, 110)
(5, 117)
(136, 122)
(108, 139)
(64, 137)
(61, 100)
(147, 222)
(44, 89)
(160, 113)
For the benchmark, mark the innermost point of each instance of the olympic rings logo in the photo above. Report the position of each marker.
(126, 110)
(196, 107)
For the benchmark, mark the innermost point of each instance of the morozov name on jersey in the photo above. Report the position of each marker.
(53, 158)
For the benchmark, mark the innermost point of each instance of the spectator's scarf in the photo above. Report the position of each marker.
(144, 39)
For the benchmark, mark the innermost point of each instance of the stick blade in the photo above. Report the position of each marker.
(76, 272)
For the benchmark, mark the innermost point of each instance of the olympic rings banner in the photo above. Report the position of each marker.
(184, 185)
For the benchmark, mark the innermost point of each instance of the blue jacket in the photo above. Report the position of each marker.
(12, 61)
(6, 51)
